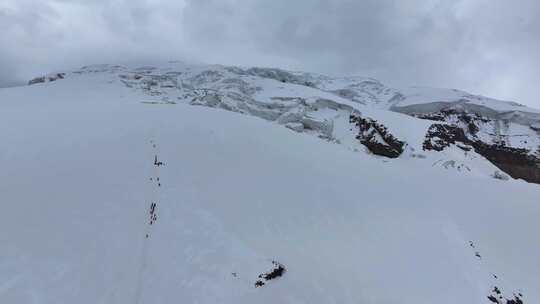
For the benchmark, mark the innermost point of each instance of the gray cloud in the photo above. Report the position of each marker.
(489, 47)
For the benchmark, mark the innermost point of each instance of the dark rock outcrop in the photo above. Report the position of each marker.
(376, 137)
(469, 122)
(497, 297)
(483, 134)
(440, 136)
(516, 162)
(276, 272)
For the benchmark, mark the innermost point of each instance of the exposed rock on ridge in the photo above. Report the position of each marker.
(376, 137)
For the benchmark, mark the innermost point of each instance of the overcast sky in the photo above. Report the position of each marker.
(490, 47)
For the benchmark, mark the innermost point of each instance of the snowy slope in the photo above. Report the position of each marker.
(235, 193)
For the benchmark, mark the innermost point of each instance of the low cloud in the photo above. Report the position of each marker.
(482, 46)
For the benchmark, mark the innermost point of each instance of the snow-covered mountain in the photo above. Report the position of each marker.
(121, 184)
(506, 134)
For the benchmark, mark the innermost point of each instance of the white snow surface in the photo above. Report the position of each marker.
(237, 192)
(421, 95)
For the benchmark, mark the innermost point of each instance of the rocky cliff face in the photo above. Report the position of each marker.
(376, 137)
(517, 158)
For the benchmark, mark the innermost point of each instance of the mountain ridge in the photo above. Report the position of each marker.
(507, 134)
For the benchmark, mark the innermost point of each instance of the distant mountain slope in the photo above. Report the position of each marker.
(504, 134)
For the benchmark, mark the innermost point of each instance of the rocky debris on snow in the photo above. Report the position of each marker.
(496, 296)
(47, 78)
(376, 137)
(493, 299)
(515, 300)
(278, 271)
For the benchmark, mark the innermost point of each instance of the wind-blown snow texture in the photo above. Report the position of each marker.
(237, 196)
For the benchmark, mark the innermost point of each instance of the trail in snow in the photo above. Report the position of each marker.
(151, 211)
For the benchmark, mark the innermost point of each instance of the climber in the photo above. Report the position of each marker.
(156, 162)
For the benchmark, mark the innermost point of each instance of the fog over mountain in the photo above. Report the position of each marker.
(226, 151)
(485, 47)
